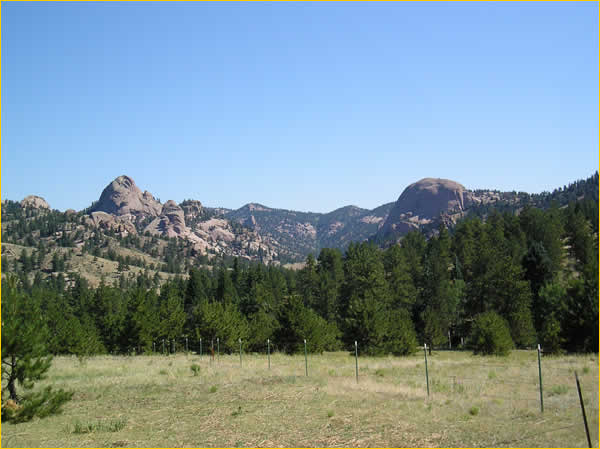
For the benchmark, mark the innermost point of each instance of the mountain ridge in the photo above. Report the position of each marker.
(276, 235)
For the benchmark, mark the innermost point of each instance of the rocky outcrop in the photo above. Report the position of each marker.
(191, 208)
(103, 220)
(35, 202)
(250, 222)
(170, 223)
(423, 202)
(123, 197)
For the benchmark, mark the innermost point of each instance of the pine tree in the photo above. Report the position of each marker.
(401, 336)
(299, 323)
(437, 308)
(171, 313)
(402, 288)
(490, 335)
(308, 282)
(226, 291)
(25, 359)
(330, 270)
(365, 298)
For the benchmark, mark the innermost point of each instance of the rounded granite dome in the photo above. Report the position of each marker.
(122, 196)
(424, 201)
(429, 197)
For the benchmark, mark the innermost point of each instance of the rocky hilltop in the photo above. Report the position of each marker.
(35, 202)
(258, 232)
(129, 232)
(123, 207)
(122, 197)
(426, 201)
(253, 231)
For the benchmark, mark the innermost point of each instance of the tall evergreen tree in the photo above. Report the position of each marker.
(366, 299)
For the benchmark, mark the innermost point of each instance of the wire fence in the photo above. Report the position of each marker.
(539, 385)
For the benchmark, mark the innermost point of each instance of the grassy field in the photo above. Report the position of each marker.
(187, 400)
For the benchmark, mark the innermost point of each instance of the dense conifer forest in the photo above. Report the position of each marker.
(537, 270)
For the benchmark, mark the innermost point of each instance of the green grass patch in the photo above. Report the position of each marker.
(557, 390)
(98, 426)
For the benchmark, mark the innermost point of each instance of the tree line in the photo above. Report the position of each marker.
(536, 271)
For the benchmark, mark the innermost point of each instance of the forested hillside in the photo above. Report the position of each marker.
(538, 270)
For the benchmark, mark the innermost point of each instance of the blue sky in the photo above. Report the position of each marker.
(306, 106)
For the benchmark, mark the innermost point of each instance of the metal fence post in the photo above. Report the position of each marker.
(269, 352)
(356, 358)
(240, 340)
(426, 369)
(539, 350)
(587, 430)
(305, 359)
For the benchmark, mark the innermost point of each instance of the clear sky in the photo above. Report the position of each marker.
(306, 106)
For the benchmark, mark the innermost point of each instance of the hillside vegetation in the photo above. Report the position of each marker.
(537, 270)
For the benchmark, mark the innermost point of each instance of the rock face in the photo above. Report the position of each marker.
(260, 232)
(192, 208)
(423, 202)
(123, 197)
(170, 223)
(36, 202)
(107, 221)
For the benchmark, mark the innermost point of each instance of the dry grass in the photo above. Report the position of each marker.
(93, 269)
(159, 401)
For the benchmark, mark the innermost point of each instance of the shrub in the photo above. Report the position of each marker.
(490, 335)
(195, 369)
